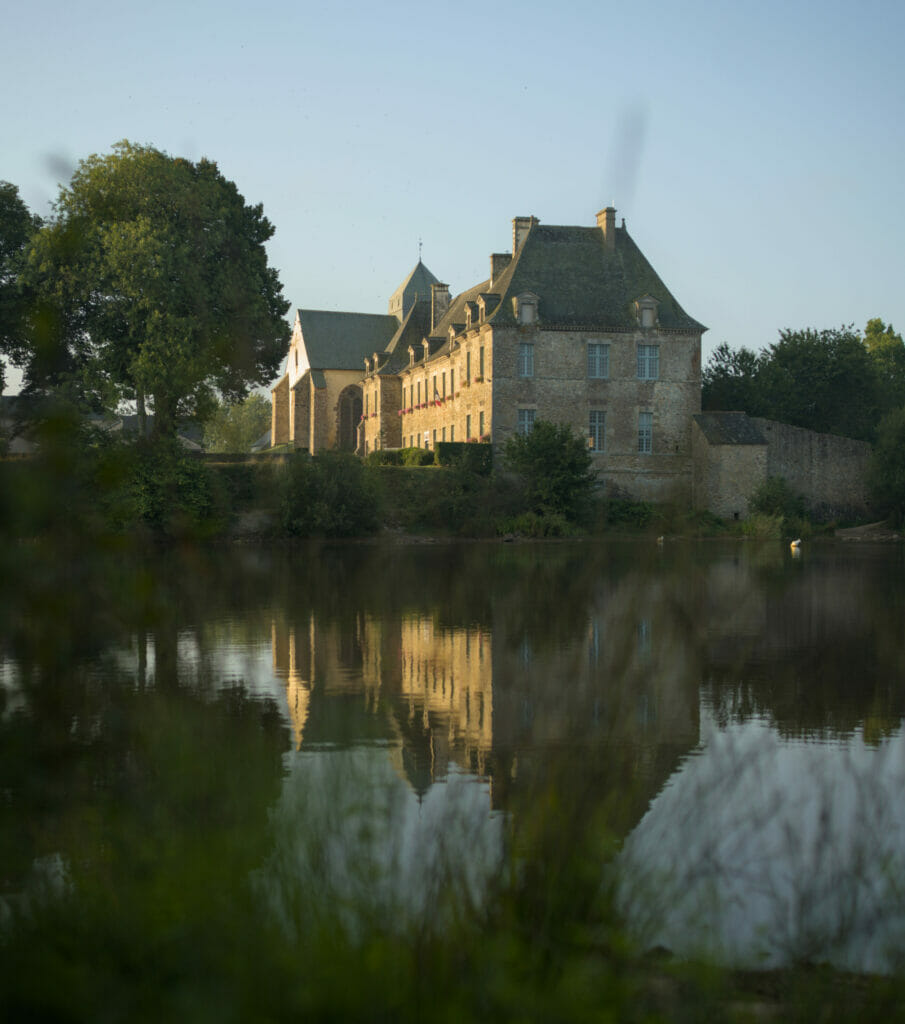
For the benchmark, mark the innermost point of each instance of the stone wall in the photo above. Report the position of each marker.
(561, 391)
(279, 413)
(829, 471)
(725, 475)
(300, 419)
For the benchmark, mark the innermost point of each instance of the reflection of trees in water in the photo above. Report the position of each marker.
(820, 652)
(96, 743)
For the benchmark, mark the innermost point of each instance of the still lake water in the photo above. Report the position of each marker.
(381, 712)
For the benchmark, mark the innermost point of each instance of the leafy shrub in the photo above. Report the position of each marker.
(626, 512)
(328, 495)
(473, 458)
(774, 497)
(166, 490)
(533, 524)
(775, 500)
(556, 467)
(385, 457)
(417, 457)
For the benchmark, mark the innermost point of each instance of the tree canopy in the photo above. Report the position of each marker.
(235, 428)
(833, 381)
(886, 475)
(556, 466)
(17, 226)
(153, 283)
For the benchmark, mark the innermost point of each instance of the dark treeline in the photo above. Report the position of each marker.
(834, 381)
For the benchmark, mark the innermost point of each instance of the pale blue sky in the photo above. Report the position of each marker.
(755, 150)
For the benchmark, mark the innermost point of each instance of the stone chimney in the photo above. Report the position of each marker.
(606, 221)
(520, 226)
(498, 263)
(439, 302)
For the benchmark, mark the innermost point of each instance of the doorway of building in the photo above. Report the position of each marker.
(349, 411)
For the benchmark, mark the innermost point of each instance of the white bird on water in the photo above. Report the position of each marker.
(796, 544)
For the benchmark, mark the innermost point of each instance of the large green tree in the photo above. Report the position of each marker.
(729, 381)
(823, 380)
(887, 350)
(154, 286)
(826, 380)
(17, 226)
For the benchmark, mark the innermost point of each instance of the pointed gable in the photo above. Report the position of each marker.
(417, 286)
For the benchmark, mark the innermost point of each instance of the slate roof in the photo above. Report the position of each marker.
(342, 341)
(579, 283)
(416, 286)
(414, 328)
(729, 428)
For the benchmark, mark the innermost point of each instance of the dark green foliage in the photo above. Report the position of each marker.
(729, 381)
(17, 226)
(535, 524)
(417, 457)
(474, 458)
(556, 467)
(623, 512)
(328, 495)
(822, 380)
(152, 282)
(166, 490)
(886, 475)
(775, 510)
(887, 350)
(831, 381)
(774, 497)
(384, 457)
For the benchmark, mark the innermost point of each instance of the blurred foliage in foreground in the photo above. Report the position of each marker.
(137, 823)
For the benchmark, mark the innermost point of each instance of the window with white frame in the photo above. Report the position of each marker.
(598, 360)
(526, 359)
(596, 430)
(467, 427)
(480, 424)
(526, 420)
(645, 432)
(648, 362)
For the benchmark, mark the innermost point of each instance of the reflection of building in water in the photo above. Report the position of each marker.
(621, 675)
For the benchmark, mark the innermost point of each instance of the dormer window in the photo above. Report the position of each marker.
(646, 311)
(525, 308)
(411, 356)
(452, 332)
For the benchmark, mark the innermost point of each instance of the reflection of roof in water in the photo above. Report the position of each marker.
(413, 758)
(342, 720)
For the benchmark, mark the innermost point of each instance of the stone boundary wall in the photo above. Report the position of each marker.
(829, 471)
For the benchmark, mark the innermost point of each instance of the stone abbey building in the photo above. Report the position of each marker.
(573, 326)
